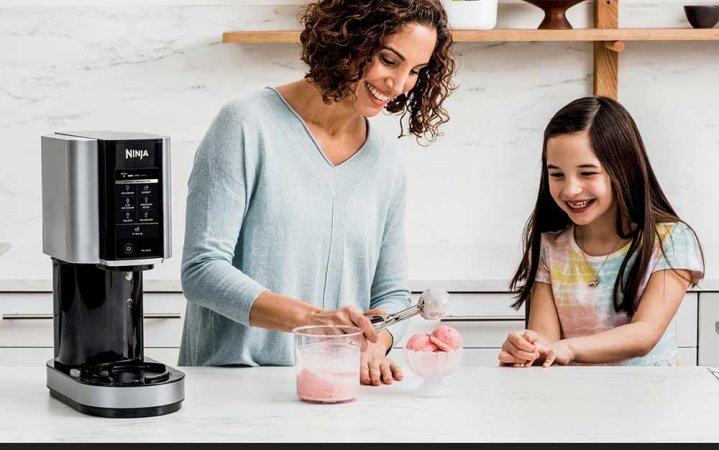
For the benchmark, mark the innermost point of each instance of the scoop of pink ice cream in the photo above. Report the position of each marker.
(446, 338)
(420, 343)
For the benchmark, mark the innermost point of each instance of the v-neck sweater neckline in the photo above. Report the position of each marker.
(363, 153)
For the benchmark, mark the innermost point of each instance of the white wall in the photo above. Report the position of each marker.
(159, 67)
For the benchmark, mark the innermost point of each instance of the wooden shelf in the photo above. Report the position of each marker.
(607, 37)
(514, 35)
(260, 37)
(588, 35)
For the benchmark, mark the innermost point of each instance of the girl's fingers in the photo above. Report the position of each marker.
(521, 343)
(507, 358)
(526, 355)
(549, 359)
(513, 350)
(530, 336)
(535, 356)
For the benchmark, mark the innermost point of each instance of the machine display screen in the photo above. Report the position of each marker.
(137, 223)
(133, 180)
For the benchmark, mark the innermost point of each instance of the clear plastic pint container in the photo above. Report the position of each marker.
(327, 360)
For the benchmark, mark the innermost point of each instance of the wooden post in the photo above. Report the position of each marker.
(606, 61)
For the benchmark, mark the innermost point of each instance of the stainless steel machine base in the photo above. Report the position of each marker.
(124, 401)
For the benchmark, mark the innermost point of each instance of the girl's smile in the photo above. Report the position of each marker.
(579, 206)
(577, 181)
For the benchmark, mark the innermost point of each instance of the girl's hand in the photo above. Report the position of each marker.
(376, 368)
(558, 353)
(519, 349)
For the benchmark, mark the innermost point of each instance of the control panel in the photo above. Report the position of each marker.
(131, 220)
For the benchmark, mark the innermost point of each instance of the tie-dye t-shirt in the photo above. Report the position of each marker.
(585, 310)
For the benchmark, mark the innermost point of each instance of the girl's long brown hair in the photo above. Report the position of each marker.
(641, 203)
(340, 38)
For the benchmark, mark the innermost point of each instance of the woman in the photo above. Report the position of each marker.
(295, 210)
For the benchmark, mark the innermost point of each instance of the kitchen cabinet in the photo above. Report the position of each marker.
(709, 329)
(483, 319)
(38, 356)
(26, 327)
(25, 356)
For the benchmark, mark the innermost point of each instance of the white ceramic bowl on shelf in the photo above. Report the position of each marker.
(471, 14)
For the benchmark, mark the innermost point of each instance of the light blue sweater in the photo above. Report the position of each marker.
(267, 210)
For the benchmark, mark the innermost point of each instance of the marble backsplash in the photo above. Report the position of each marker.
(160, 67)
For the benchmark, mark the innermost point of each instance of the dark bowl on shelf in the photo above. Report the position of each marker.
(702, 16)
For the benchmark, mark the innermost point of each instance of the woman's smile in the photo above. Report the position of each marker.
(377, 96)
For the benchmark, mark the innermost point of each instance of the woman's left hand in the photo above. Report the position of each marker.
(558, 353)
(375, 367)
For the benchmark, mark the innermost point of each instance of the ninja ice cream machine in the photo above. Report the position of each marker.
(106, 220)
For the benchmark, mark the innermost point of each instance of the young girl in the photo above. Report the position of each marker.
(606, 260)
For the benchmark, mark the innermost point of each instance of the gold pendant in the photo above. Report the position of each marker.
(594, 282)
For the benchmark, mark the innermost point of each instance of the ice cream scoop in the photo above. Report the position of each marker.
(432, 305)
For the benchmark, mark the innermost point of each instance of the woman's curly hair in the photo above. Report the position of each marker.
(340, 38)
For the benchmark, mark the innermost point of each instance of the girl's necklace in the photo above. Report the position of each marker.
(596, 279)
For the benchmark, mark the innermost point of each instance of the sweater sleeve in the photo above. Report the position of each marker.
(390, 287)
(217, 201)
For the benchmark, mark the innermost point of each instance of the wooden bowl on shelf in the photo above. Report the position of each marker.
(554, 13)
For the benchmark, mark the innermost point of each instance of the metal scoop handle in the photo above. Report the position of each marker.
(382, 321)
(429, 299)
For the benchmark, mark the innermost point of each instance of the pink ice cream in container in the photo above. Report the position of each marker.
(327, 358)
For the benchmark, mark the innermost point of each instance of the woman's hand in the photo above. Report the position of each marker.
(558, 353)
(347, 316)
(375, 367)
(519, 349)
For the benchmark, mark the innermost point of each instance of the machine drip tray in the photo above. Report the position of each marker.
(132, 388)
(124, 373)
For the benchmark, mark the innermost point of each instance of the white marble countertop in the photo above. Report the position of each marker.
(587, 404)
